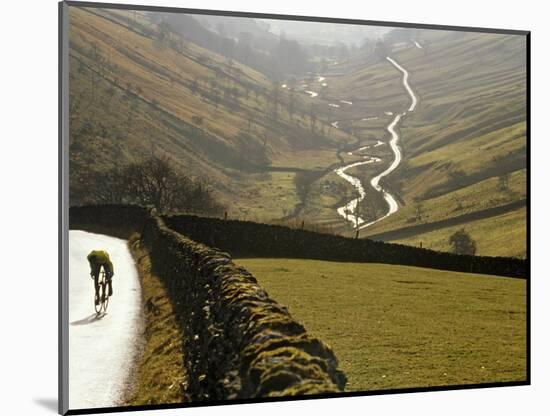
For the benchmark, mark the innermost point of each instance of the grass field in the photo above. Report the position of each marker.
(397, 327)
(498, 235)
(503, 235)
(481, 195)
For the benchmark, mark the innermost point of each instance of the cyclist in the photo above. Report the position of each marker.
(98, 258)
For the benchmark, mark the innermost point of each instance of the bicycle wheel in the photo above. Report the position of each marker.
(105, 296)
(98, 306)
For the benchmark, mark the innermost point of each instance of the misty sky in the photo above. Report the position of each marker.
(325, 32)
(304, 32)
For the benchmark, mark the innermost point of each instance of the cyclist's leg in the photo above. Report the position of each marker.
(110, 283)
(96, 286)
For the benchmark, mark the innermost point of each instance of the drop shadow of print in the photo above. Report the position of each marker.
(47, 403)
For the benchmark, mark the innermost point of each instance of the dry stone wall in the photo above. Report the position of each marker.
(250, 239)
(239, 343)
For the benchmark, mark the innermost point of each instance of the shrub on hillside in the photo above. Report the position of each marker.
(462, 243)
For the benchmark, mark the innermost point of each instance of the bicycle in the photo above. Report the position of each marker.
(103, 295)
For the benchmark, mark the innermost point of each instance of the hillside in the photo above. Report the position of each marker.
(137, 88)
(398, 327)
(342, 208)
(283, 150)
(465, 144)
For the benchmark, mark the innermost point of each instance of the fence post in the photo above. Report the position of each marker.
(302, 225)
(225, 215)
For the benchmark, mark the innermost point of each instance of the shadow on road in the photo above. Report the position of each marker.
(90, 319)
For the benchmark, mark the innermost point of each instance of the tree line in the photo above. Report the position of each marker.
(153, 181)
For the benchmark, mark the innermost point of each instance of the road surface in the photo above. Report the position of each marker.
(405, 80)
(349, 211)
(102, 350)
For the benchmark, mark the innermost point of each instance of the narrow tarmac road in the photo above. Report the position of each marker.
(102, 349)
(349, 211)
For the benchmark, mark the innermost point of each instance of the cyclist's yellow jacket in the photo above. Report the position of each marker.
(98, 258)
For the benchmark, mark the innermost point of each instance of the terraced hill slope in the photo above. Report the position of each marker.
(137, 87)
(464, 146)
(270, 149)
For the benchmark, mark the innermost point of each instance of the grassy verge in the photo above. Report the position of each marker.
(161, 373)
(397, 326)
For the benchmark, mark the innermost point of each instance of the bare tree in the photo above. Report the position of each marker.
(382, 49)
(458, 177)
(154, 181)
(458, 203)
(195, 86)
(504, 181)
(418, 210)
(291, 103)
(312, 118)
(163, 35)
(357, 214)
(275, 99)
(197, 120)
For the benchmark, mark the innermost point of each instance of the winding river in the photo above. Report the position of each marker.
(349, 210)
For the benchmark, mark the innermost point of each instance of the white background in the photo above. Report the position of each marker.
(28, 65)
